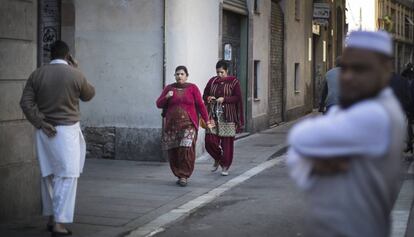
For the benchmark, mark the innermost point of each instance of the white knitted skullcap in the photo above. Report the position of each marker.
(377, 41)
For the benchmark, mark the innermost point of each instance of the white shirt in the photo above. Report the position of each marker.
(59, 61)
(363, 129)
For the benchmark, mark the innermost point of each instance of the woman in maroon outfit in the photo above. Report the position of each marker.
(181, 103)
(224, 90)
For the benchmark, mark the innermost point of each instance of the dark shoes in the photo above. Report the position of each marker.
(58, 234)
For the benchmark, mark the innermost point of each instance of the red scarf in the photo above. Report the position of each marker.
(233, 112)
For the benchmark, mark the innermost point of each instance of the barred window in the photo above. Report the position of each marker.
(297, 10)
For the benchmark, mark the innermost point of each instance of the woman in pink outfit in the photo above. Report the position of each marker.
(182, 104)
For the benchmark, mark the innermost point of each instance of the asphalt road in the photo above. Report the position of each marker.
(266, 205)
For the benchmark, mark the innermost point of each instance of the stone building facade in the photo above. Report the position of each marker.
(397, 17)
(129, 49)
(311, 47)
(19, 173)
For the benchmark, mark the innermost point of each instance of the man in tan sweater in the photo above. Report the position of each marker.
(50, 102)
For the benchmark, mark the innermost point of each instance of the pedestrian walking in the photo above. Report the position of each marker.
(182, 104)
(400, 85)
(347, 162)
(330, 93)
(223, 97)
(50, 102)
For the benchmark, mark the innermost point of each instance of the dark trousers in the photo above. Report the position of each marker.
(220, 148)
(182, 160)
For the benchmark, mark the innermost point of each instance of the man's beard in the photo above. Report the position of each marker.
(345, 103)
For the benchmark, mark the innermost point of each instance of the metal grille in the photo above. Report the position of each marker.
(276, 62)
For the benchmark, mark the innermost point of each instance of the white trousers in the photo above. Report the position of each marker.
(58, 197)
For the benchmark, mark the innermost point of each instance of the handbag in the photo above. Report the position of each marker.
(222, 128)
(226, 129)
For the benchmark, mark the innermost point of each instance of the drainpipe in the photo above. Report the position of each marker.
(164, 57)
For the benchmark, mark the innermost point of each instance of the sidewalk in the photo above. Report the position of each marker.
(115, 197)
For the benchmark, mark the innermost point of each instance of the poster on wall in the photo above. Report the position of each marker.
(49, 30)
(227, 52)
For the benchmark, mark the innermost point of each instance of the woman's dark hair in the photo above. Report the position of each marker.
(59, 50)
(222, 64)
(184, 68)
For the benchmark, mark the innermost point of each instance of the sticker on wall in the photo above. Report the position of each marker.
(227, 52)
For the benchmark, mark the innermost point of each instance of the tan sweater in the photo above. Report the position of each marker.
(52, 94)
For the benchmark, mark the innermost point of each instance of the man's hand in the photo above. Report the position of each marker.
(48, 129)
(220, 100)
(72, 61)
(330, 166)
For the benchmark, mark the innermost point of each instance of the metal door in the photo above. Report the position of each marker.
(276, 64)
(231, 41)
(49, 28)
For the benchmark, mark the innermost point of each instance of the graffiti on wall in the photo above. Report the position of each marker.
(49, 27)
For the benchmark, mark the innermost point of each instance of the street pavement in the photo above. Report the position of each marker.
(127, 198)
(115, 197)
(267, 205)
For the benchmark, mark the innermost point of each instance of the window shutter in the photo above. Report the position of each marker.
(238, 6)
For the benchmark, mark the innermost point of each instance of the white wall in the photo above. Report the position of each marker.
(192, 38)
(119, 47)
(192, 31)
(261, 52)
(297, 34)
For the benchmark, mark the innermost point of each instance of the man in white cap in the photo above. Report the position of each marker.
(348, 162)
(50, 102)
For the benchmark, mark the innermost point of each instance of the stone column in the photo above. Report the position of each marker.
(19, 172)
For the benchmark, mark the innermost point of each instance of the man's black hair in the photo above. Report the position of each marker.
(59, 50)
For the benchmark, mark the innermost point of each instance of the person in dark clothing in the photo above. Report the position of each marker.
(402, 89)
(330, 93)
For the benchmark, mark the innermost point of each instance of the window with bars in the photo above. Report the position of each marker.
(256, 6)
(297, 10)
(256, 79)
(297, 78)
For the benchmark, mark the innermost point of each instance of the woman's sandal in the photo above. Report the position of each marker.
(182, 182)
(215, 166)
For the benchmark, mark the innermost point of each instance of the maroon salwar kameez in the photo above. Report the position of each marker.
(222, 148)
(181, 126)
(179, 139)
